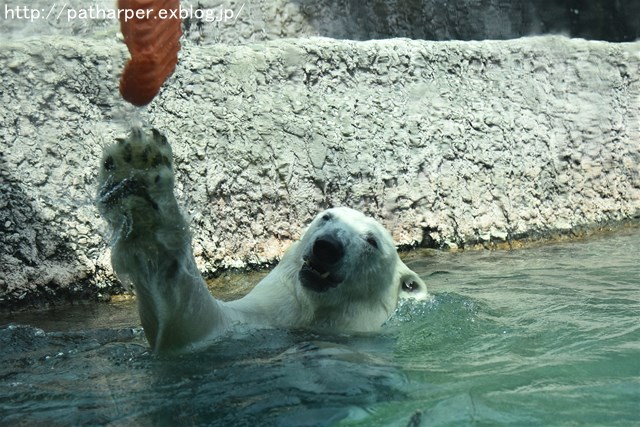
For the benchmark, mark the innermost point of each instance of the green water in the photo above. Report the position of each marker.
(540, 336)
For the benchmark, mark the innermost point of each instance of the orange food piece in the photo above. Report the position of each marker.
(152, 35)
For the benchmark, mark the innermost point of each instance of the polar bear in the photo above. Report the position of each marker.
(343, 275)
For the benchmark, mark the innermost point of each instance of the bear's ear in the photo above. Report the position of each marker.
(412, 286)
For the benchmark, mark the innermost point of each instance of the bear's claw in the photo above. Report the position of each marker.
(110, 195)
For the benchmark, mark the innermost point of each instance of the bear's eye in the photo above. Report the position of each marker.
(410, 286)
(372, 241)
(326, 217)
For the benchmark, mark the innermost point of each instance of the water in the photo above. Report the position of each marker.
(540, 336)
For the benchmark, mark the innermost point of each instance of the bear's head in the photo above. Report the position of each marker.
(347, 256)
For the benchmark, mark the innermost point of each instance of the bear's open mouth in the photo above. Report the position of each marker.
(316, 277)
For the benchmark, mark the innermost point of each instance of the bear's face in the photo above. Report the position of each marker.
(345, 255)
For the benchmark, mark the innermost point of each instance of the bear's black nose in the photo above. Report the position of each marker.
(327, 250)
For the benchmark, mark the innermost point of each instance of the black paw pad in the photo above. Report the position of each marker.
(109, 164)
(127, 153)
(158, 137)
(145, 154)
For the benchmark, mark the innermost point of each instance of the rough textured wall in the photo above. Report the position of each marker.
(447, 143)
(241, 21)
(473, 19)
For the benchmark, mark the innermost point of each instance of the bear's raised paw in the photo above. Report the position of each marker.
(135, 192)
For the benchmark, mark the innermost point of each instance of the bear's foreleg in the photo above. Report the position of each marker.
(151, 246)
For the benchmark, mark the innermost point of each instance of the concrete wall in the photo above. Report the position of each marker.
(447, 143)
(261, 20)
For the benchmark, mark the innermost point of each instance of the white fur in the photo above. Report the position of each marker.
(152, 251)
